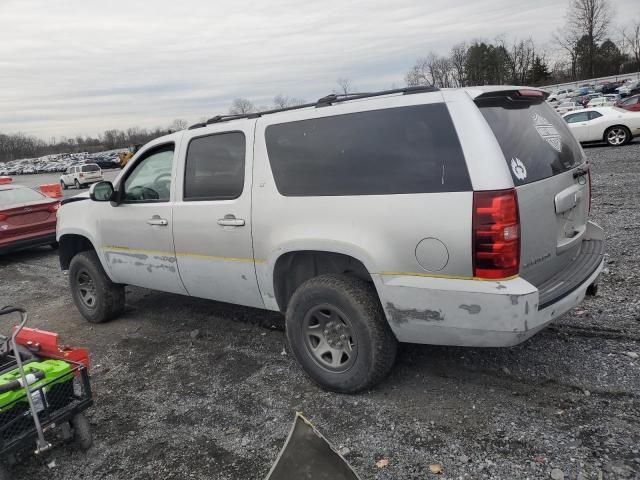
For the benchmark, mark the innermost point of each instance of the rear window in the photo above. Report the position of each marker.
(15, 196)
(90, 168)
(535, 141)
(399, 150)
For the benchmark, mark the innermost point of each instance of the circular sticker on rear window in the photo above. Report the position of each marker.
(518, 168)
(547, 131)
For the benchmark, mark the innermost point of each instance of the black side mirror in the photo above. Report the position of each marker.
(101, 192)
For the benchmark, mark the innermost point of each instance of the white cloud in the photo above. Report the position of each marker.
(78, 66)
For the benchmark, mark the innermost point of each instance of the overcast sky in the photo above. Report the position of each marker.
(72, 67)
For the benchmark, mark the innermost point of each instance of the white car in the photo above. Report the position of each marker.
(560, 94)
(81, 175)
(601, 102)
(604, 124)
(565, 107)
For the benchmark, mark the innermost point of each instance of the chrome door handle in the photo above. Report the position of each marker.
(156, 220)
(230, 220)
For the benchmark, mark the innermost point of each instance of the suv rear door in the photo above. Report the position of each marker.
(212, 217)
(549, 172)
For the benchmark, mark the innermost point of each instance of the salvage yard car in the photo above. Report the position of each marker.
(27, 218)
(81, 176)
(613, 125)
(449, 217)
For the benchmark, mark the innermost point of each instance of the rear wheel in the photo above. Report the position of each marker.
(77, 184)
(97, 298)
(617, 135)
(339, 334)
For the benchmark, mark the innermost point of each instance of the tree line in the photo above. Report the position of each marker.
(19, 145)
(587, 46)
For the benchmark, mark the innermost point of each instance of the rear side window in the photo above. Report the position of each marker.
(90, 168)
(577, 117)
(535, 141)
(215, 167)
(399, 150)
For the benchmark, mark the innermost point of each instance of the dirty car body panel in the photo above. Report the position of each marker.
(389, 182)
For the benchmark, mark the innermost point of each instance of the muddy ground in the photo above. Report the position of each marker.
(219, 406)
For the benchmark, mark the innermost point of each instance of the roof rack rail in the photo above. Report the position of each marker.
(325, 101)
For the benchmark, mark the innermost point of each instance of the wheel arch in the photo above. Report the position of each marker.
(71, 244)
(294, 267)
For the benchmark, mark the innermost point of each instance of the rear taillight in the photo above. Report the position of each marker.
(3, 217)
(496, 234)
(53, 207)
(81, 175)
(589, 178)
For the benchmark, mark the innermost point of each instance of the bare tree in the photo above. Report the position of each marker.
(241, 106)
(632, 37)
(178, 124)
(431, 70)
(568, 39)
(282, 101)
(345, 86)
(458, 59)
(590, 19)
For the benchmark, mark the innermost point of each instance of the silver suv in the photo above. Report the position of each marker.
(449, 217)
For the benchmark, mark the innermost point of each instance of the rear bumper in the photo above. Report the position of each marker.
(34, 241)
(444, 311)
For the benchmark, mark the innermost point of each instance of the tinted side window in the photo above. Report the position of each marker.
(215, 167)
(150, 180)
(578, 117)
(398, 150)
(593, 115)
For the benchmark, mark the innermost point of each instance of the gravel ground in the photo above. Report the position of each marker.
(174, 403)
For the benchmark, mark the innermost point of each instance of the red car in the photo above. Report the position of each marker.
(631, 103)
(27, 218)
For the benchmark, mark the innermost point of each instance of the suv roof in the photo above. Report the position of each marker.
(333, 98)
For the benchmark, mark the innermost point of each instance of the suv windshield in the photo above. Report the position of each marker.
(15, 196)
(535, 141)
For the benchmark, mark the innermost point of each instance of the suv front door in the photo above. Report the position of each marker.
(136, 234)
(212, 223)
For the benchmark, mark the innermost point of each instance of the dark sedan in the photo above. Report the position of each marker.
(27, 218)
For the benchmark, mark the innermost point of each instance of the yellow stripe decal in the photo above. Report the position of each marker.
(183, 254)
(451, 277)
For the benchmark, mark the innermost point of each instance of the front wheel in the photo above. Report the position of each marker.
(97, 298)
(339, 334)
(63, 185)
(617, 136)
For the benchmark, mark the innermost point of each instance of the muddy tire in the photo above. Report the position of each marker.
(339, 334)
(81, 432)
(97, 298)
